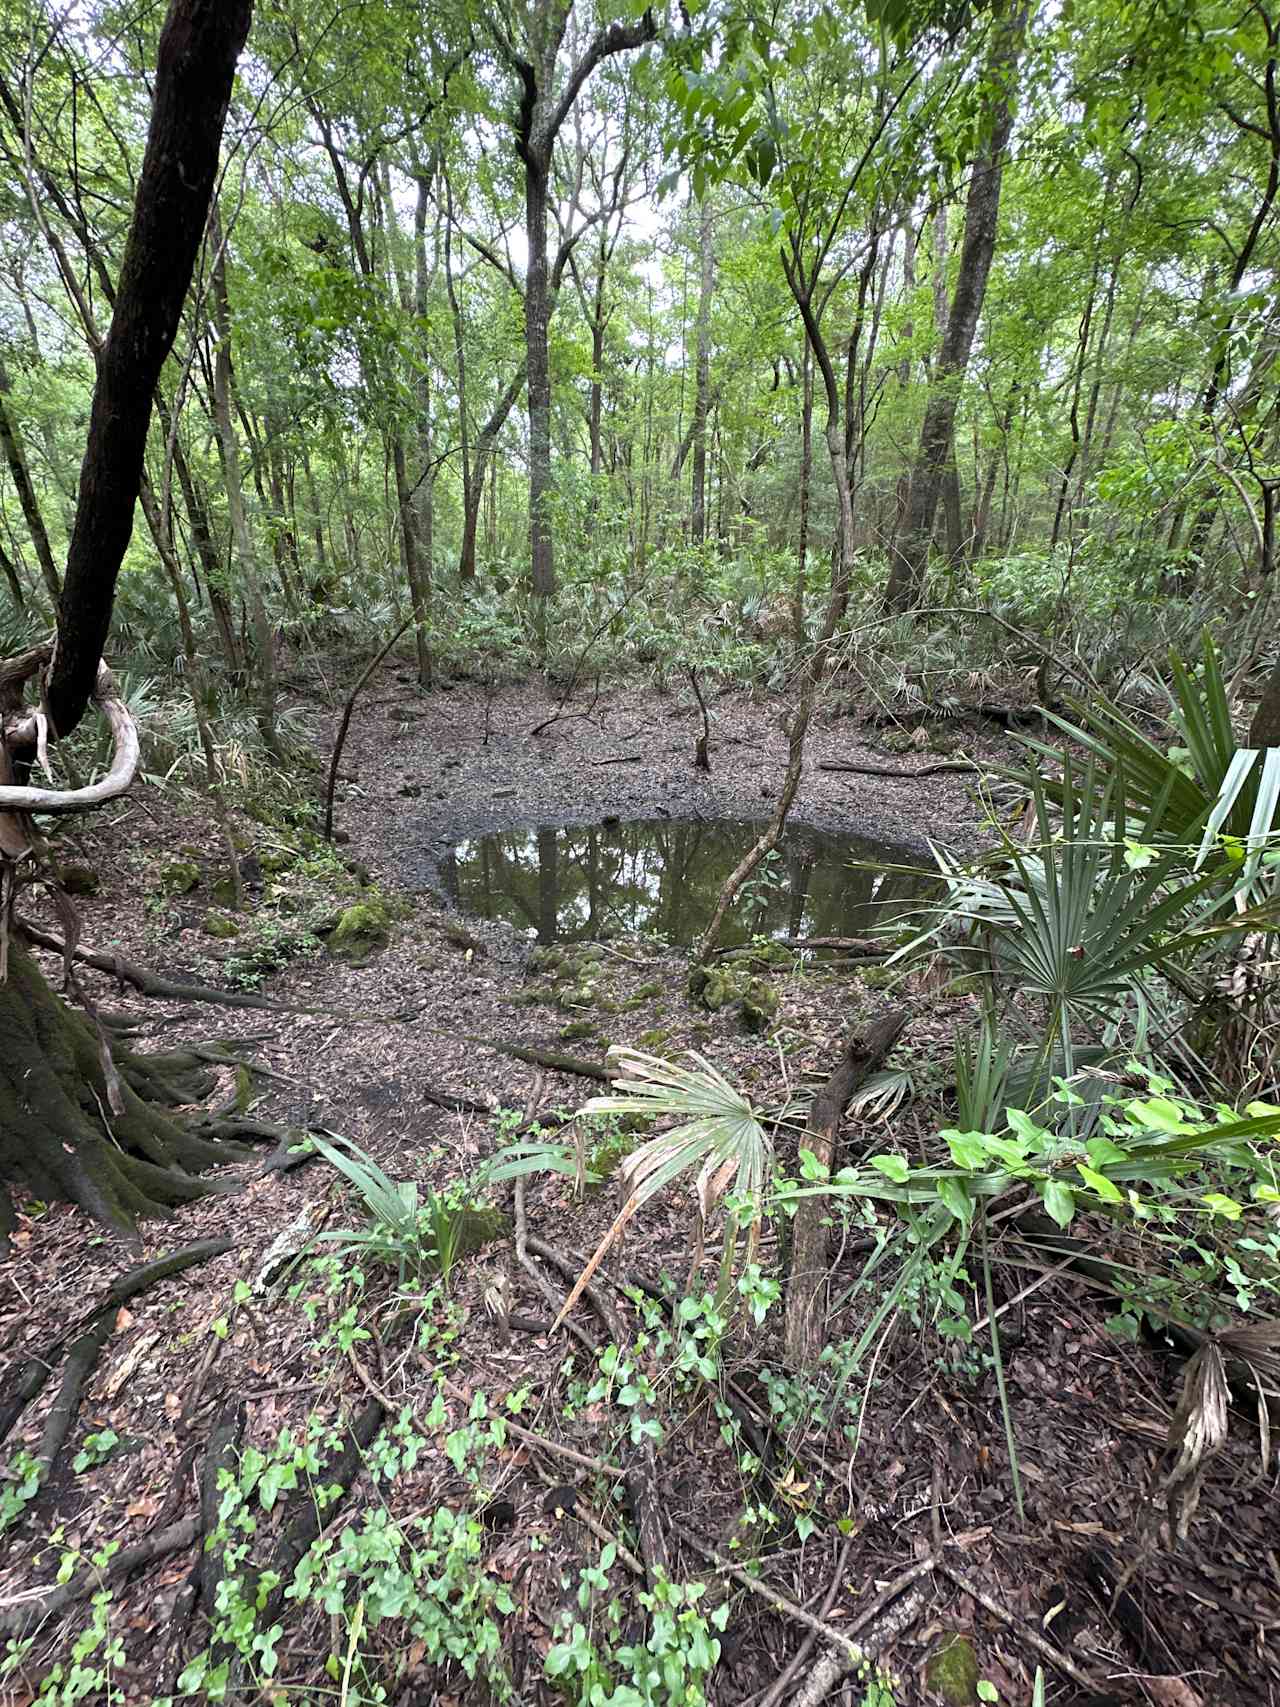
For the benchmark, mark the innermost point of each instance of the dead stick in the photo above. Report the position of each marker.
(347, 710)
(898, 775)
(1032, 1638)
(777, 1601)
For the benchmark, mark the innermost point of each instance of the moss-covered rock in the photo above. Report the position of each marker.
(952, 1672)
(577, 996)
(759, 1006)
(218, 924)
(80, 880)
(655, 1039)
(576, 1028)
(360, 932)
(275, 860)
(714, 987)
(179, 876)
(764, 956)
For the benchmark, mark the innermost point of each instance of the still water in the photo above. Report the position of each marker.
(663, 876)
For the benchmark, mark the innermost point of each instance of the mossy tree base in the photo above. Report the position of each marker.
(58, 1135)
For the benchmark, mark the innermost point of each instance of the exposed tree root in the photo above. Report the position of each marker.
(550, 1058)
(156, 985)
(83, 1126)
(20, 1616)
(27, 1381)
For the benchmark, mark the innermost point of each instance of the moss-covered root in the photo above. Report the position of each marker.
(58, 1135)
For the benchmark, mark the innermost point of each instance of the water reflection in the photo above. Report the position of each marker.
(663, 876)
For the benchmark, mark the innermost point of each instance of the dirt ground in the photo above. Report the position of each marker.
(902, 1474)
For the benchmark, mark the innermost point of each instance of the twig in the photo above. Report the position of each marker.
(778, 1688)
(777, 1601)
(346, 724)
(1046, 1650)
(898, 775)
(582, 1459)
(622, 759)
(550, 1058)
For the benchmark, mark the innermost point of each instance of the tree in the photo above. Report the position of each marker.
(937, 435)
(58, 1077)
(546, 98)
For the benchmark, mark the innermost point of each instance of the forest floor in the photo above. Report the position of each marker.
(899, 1476)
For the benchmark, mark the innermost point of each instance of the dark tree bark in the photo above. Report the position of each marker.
(982, 210)
(77, 1122)
(195, 66)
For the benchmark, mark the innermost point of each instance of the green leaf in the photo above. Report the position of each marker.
(1104, 1187)
(1059, 1201)
(955, 1198)
(894, 1167)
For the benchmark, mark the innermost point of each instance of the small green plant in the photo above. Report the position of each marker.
(412, 1229)
(97, 1449)
(591, 1663)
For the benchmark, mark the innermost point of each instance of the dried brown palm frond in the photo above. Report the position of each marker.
(1196, 1433)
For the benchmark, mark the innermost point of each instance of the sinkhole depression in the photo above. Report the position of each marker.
(662, 876)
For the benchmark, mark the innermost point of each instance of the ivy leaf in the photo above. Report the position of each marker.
(895, 1168)
(1059, 1200)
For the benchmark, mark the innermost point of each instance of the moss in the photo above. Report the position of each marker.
(179, 876)
(360, 932)
(654, 1039)
(534, 995)
(223, 890)
(579, 996)
(218, 924)
(546, 959)
(759, 1006)
(275, 860)
(638, 998)
(576, 1028)
(952, 1672)
(763, 957)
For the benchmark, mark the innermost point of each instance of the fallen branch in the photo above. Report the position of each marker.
(898, 775)
(549, 1058)
(868, 946)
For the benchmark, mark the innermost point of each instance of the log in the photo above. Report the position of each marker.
(805, 1323)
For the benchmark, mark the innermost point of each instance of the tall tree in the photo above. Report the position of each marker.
(547, 92)
(937, 434)
(56, 1074)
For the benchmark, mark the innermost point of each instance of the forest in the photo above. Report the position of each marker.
(639, 853)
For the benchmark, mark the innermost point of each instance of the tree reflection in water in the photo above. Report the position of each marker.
(663, 876)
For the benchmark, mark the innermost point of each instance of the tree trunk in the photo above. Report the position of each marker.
(485, 441)
(537, 319)
(18, 472)
(196, 58)
(907, 571)
(57, 1085)
(242, 543)
(702, 378)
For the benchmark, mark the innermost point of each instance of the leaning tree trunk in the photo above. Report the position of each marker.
(77, 1120)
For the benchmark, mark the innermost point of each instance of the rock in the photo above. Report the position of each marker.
(952, 1672)
(218, 924)
(179, 876)
(763, 957)
(360, 932)
(80, 880)
(759, 1006)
